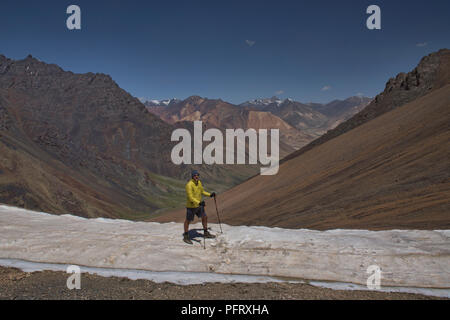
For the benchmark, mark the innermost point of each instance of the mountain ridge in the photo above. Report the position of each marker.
(403, 88)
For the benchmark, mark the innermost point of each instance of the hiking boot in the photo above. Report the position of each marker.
(186, 238)
(208, 235)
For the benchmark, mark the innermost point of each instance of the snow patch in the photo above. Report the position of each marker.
(407, 258)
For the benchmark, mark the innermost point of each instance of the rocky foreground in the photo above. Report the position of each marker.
(15, 284)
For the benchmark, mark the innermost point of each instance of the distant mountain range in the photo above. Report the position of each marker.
(299, 123)
(313, 118)
(223, 115)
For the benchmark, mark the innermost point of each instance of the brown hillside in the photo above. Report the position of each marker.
(391, 172)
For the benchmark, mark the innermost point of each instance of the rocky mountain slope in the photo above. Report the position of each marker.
(79, 143)
(431, 73)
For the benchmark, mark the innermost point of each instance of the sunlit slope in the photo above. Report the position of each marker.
(392, 172)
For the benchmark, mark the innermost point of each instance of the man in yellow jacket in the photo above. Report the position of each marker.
(195, 206)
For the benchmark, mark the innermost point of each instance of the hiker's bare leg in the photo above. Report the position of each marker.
(186, 225)
(205, 222)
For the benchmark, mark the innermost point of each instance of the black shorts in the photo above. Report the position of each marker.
(199, 212)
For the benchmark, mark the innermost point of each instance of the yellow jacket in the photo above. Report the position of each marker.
(194, 192)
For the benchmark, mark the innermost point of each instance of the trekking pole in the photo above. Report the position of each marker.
(217, 210)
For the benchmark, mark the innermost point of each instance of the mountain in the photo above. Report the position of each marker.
(339, 111)
(262, 103)
(79, 143)
(338, 108)
(385, 168)
(216, 113)
(300, 116)
(159, 103)
(158, 107)
(314, 119)
(430, 74)
(299, 123)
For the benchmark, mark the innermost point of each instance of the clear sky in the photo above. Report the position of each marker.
(234, 50)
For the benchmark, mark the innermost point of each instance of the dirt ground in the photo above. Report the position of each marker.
(15, 284)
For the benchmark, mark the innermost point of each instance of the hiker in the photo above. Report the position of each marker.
(195, 206)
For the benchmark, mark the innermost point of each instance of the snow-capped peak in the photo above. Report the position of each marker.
(159, 103)
(263, 102)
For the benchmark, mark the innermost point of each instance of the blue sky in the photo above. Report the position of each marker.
(234, 50)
